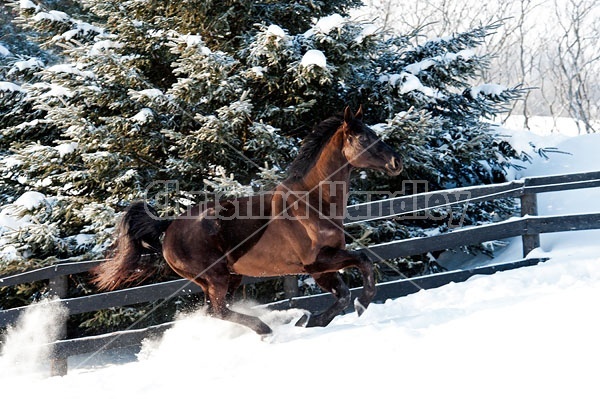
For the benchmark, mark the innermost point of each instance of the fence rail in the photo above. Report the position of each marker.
(48, 272)
(529, 226)
(406, 205)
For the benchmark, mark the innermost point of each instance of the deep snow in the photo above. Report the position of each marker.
(527, 333)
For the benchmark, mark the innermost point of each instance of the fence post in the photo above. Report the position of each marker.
(290, 286)
(529, 207)
(58, 286)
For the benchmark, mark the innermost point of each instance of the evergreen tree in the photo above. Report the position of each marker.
(217, 96)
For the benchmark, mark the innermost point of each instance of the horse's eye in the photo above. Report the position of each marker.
(363, 138)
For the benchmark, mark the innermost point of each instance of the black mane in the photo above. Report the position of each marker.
(312, 146)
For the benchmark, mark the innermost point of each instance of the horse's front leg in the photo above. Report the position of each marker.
(324, 270)
(369, 289)
(330, 282)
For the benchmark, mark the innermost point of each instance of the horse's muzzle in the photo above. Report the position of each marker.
(394, 166)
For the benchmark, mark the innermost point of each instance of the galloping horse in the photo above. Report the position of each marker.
(294, 229)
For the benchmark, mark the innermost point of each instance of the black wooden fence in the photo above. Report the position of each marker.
(529, 226)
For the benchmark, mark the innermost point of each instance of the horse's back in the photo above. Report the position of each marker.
(209, 231)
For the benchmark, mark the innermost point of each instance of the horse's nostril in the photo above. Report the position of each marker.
(394, 165)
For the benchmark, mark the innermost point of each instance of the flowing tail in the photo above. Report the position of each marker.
(138, 233)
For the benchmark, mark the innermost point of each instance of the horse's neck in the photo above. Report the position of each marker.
(330, 176)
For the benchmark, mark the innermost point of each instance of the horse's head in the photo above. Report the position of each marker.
(363, 149)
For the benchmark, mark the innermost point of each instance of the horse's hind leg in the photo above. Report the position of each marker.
(330, 282)
(235, 281)
(217, 290)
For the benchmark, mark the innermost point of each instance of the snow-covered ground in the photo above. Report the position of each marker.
(527, 333)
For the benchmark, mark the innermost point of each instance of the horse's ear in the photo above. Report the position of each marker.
(359, 114)
(348, 115)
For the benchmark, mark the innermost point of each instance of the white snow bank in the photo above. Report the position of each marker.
(525, 333)
(578, 155)
(579, 152)
(558, 127)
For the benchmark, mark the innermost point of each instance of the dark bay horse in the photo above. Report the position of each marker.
(294, 229)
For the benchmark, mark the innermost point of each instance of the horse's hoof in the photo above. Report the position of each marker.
(263, 330)
(268, 338)
(303, 322)
(359, 307)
